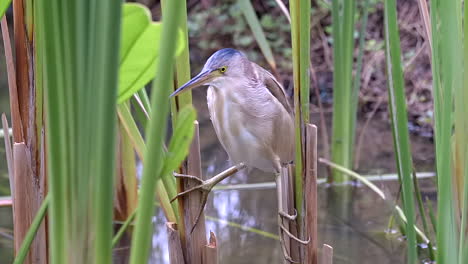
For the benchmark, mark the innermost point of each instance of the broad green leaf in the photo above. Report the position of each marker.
(4, 4)
(181, 139)
(139, 49)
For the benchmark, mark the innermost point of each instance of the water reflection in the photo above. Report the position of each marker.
(357, 237)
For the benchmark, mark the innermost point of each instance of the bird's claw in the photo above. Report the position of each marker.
(204, 187)
(288, 216)
(286, 254)
(284, 230)
(295, 238)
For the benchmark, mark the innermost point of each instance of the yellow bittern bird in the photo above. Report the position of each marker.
(250, 113)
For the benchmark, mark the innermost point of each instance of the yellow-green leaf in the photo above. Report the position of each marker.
(181, 139)
(139, 49)
(4, 4)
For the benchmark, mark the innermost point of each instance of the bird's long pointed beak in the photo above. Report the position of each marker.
(199, 80)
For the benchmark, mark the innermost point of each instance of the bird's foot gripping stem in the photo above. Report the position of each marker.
(205, 187)
(284, 230)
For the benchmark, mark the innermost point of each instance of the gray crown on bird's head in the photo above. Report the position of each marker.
(224, 57)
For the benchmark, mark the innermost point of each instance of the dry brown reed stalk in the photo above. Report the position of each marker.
(24, 51)
(14, 104)
(27, 167)
(211, 251)
(310, 195)
(423, 10)
(126, 191)
(327, 254)
(176, 256)
(194, 238)
(285, 195)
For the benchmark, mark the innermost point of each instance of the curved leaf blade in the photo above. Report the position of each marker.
(181, 139)
(139, 50)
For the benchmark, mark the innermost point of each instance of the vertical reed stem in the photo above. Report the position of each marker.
(196, 240)
(310, 195)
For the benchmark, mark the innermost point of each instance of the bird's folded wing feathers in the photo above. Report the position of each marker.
(275, 88)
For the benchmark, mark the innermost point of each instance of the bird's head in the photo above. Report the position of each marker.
(219, 67)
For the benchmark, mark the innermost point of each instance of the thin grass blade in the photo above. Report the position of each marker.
(398, 113)
(256, 27)
(153, 161)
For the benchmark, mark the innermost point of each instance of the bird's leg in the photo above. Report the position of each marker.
(205, 186)
(282, 189)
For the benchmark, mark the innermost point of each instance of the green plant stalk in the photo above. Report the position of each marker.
(122, 229)
(461, 130)
(79, 67)
(156, 134)
(461, 109)
(182, 75)
(343, 46)
(32, 231)
(141, 115)
(295, 37)
(304, 60)
(432, 217)
(300, 33)
(145, 100)
(163, 197)
(463, 244)
(55, 101)
(446, 49)
(397, 105)
(107, 52)
(422, 213)
(357, 78)
(304, 79)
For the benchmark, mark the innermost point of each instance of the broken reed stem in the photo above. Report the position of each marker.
(176, 255)
(32, 231)
(26, 204)
(327, 254)
(196, 240)
(211, 251)
(309, 231)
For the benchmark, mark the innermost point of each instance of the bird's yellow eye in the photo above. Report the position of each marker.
(223, 69)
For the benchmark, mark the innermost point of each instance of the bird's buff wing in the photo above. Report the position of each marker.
(275, 88)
